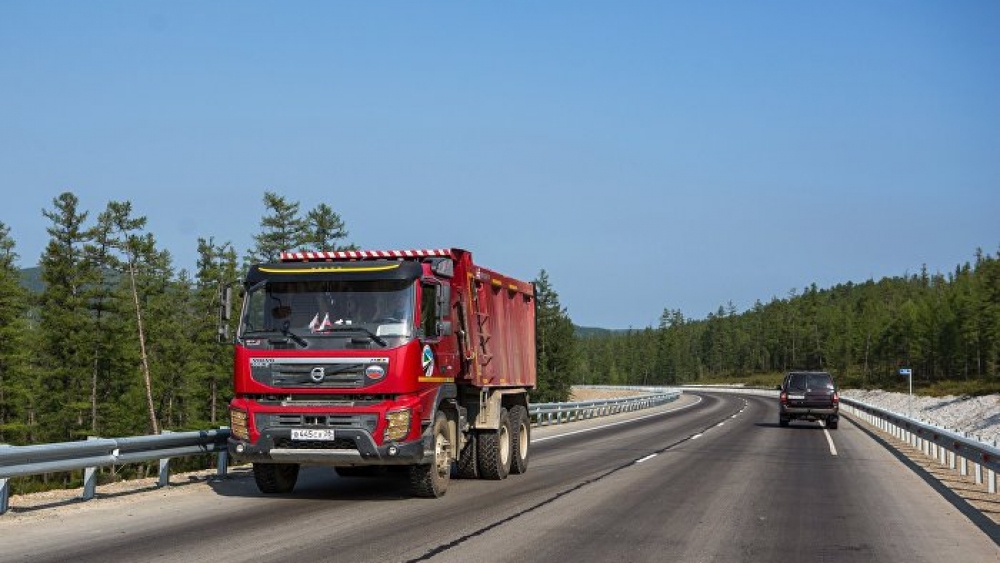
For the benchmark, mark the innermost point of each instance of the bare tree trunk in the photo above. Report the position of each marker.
(93, 397)
(213, 402)
(142, 349)
(868, 345)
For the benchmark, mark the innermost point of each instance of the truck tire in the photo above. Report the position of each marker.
(466, 466)
(494, 451)
(520, 439)
(431, 481)
(275, 478)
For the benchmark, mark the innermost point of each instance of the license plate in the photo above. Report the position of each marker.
(796, 397)
(312, 434)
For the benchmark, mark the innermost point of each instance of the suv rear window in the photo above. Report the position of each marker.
(803, 381)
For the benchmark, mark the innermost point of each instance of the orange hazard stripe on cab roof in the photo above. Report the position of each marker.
(306, 256)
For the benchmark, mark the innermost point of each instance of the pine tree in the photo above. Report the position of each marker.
(281, 229)
(65, 325)
(324, 230)
(139, 258)
(555, 344)
(213, 367)
(15, 386)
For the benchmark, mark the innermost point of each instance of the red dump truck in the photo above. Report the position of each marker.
(368, 361)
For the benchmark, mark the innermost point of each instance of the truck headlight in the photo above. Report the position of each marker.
(398, 425)
(238, 424)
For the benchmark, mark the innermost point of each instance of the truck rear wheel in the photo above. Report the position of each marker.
(520, 439)
(465, 467)
(494, 451)
(431, 481)
(275, 478)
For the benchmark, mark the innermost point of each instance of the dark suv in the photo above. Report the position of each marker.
(811, 395)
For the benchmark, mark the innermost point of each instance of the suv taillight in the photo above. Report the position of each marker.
(836, 398)
(784, 396)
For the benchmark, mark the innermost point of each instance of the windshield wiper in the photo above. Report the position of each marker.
(378, 339)
(298, 339)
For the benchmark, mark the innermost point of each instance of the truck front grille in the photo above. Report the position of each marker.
(297, 420)
(338, 444)
(308, 373)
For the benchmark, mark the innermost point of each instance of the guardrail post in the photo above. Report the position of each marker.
(222, 462)
(4, 491)
(164, 469)
(90, 479)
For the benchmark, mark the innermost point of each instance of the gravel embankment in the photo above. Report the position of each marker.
(977, 417)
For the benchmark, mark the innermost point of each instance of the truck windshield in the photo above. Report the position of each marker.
(331, 313)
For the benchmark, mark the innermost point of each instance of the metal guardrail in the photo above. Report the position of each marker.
(954, 450)
(958, 452)
(544, 414)
(19, 461)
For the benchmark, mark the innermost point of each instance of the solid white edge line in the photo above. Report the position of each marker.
(829, 439)
(620, 422)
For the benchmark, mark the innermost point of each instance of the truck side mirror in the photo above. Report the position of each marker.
(444, 301)
(225, 312)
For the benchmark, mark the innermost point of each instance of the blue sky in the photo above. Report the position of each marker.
(647, 155)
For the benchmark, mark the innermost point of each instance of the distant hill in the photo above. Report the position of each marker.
(589, 331)
(31, 279)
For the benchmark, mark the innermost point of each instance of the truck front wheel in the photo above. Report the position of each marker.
(494, 451)
(275, 478)
(431, 481)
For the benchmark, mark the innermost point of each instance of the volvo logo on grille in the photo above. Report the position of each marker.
(317, 374)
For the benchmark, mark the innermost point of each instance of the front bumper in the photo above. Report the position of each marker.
(803, 412)
(353, 447)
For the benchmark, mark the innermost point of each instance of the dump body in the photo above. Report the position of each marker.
(346, 358)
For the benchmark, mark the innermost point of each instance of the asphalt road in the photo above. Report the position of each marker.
(710, 478)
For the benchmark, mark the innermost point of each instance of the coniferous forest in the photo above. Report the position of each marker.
(112, 340)
(946, 328)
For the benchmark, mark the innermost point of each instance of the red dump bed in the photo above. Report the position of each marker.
(501, 329)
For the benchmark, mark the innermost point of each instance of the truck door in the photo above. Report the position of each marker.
(436, 330)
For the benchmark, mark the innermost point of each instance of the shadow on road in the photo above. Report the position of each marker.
(792, 426)
(319, 483)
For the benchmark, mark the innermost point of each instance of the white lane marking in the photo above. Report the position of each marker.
(609, 425)
(829, 439)
(647, 458)
(696, 436)
(723, 423)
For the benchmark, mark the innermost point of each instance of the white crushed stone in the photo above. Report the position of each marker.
(976, 417)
